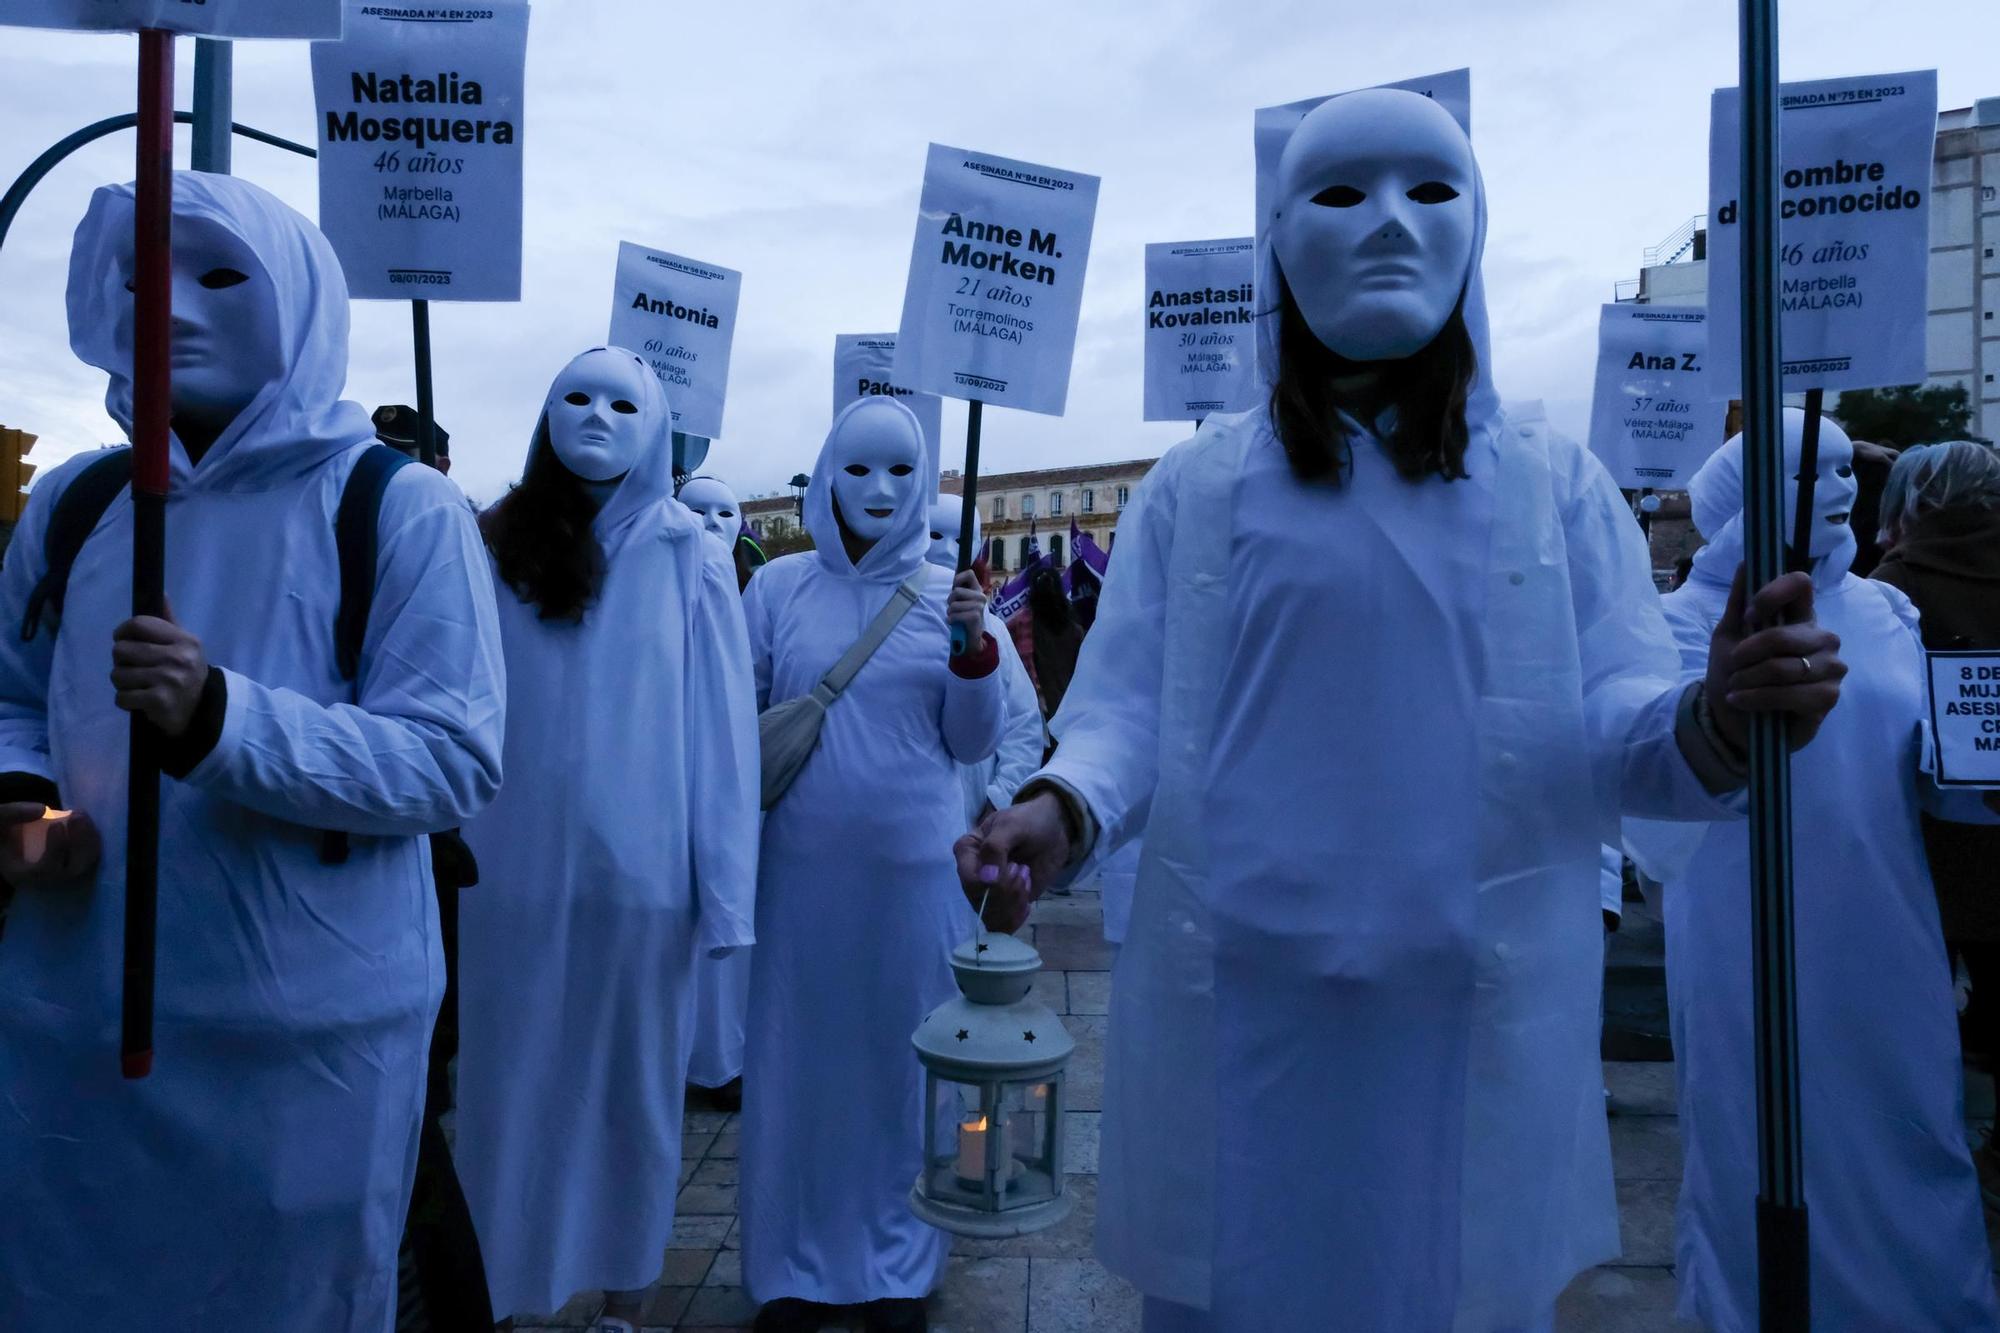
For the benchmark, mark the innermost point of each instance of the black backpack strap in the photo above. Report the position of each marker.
(356, 539)
(77, 513)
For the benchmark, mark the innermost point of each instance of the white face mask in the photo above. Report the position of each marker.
(945, 517)
(1834, 487)
(595, 424)
(225, 326)
(715, 505)
(1375, 222)
(875, 466)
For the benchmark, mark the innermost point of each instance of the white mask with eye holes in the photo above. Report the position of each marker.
(1375, 221)
(715, 505)
(874, 472)
(946, 513)
(595, 425)
(225, 324)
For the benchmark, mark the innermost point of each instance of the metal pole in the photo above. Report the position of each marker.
(214, 65)
(1808, 479)
(968, 514)
(24, 184)
(1782, 1250)
(152, 373)
(420, 327)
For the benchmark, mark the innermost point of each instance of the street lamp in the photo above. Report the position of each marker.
(997, 1057)
(799, 483)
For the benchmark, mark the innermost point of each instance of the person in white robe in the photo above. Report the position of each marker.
(721, 985)
(857, 903)
(1897, 1237)
(625, 847)
(992, 782)
(259, 1176)
(1378, 665)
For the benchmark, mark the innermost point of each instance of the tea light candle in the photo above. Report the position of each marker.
(35, 834)
(972, 1151)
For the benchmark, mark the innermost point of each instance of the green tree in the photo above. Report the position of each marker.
(788, 542)
(1906, 415)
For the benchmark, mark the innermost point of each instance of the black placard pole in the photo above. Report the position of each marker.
(968, 514)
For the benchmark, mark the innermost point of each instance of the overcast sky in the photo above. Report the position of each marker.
(787, 140)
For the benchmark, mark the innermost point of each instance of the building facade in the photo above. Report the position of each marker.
(772, 516)
(1015, 507)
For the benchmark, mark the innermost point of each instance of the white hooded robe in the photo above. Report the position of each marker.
(626, 844)
(858, 907)
(1375, 736)
(259, 1177)
(1898, 1240)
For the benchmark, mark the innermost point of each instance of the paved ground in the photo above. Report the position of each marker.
(1050, 1283)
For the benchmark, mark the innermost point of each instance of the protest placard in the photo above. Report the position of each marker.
(680, 314)
(201, 18)
(1853, 232)
(996, 280)
(1200, 344)
(1273, 126)
(863, 367)
(420, 141)
(1651, 421)
(1965, 717)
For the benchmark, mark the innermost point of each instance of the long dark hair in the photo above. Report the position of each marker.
(1046, 600)
(1428, 391)
(541, 537)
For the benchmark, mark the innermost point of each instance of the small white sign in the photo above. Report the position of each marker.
(420, 129)
(680, 314)
(1853, 232)
(1652, 423)
(1965, 717)
(1451, 90)
(996, 280)
(204, 18)
(1201, 340)
(863, 365)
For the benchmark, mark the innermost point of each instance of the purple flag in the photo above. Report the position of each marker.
(1084, 547)
(1013, 594)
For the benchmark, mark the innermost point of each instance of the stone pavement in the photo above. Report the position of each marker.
(1051, 1283)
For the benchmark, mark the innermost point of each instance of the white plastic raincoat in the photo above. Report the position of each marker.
(858, 907)
(1898, 1241)
(627, 842)
(1375, 736)
(259, 1178)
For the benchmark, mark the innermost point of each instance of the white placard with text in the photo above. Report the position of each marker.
(420, 141)
(1853, 232)
(1965, 717)
(996, 280)
(863, 366)
(1651, 421)
(1200, 328)
(679, 314)
(201, 18)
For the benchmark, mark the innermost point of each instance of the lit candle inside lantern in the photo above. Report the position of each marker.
(972, 1151)
(35, 834)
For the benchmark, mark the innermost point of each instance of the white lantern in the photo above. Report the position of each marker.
(993, 1080)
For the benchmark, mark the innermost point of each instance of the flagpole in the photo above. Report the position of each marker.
(1782, 1237)
(152, 387)
(968, 514)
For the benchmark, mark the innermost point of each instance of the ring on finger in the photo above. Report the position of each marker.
(1805, 665)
